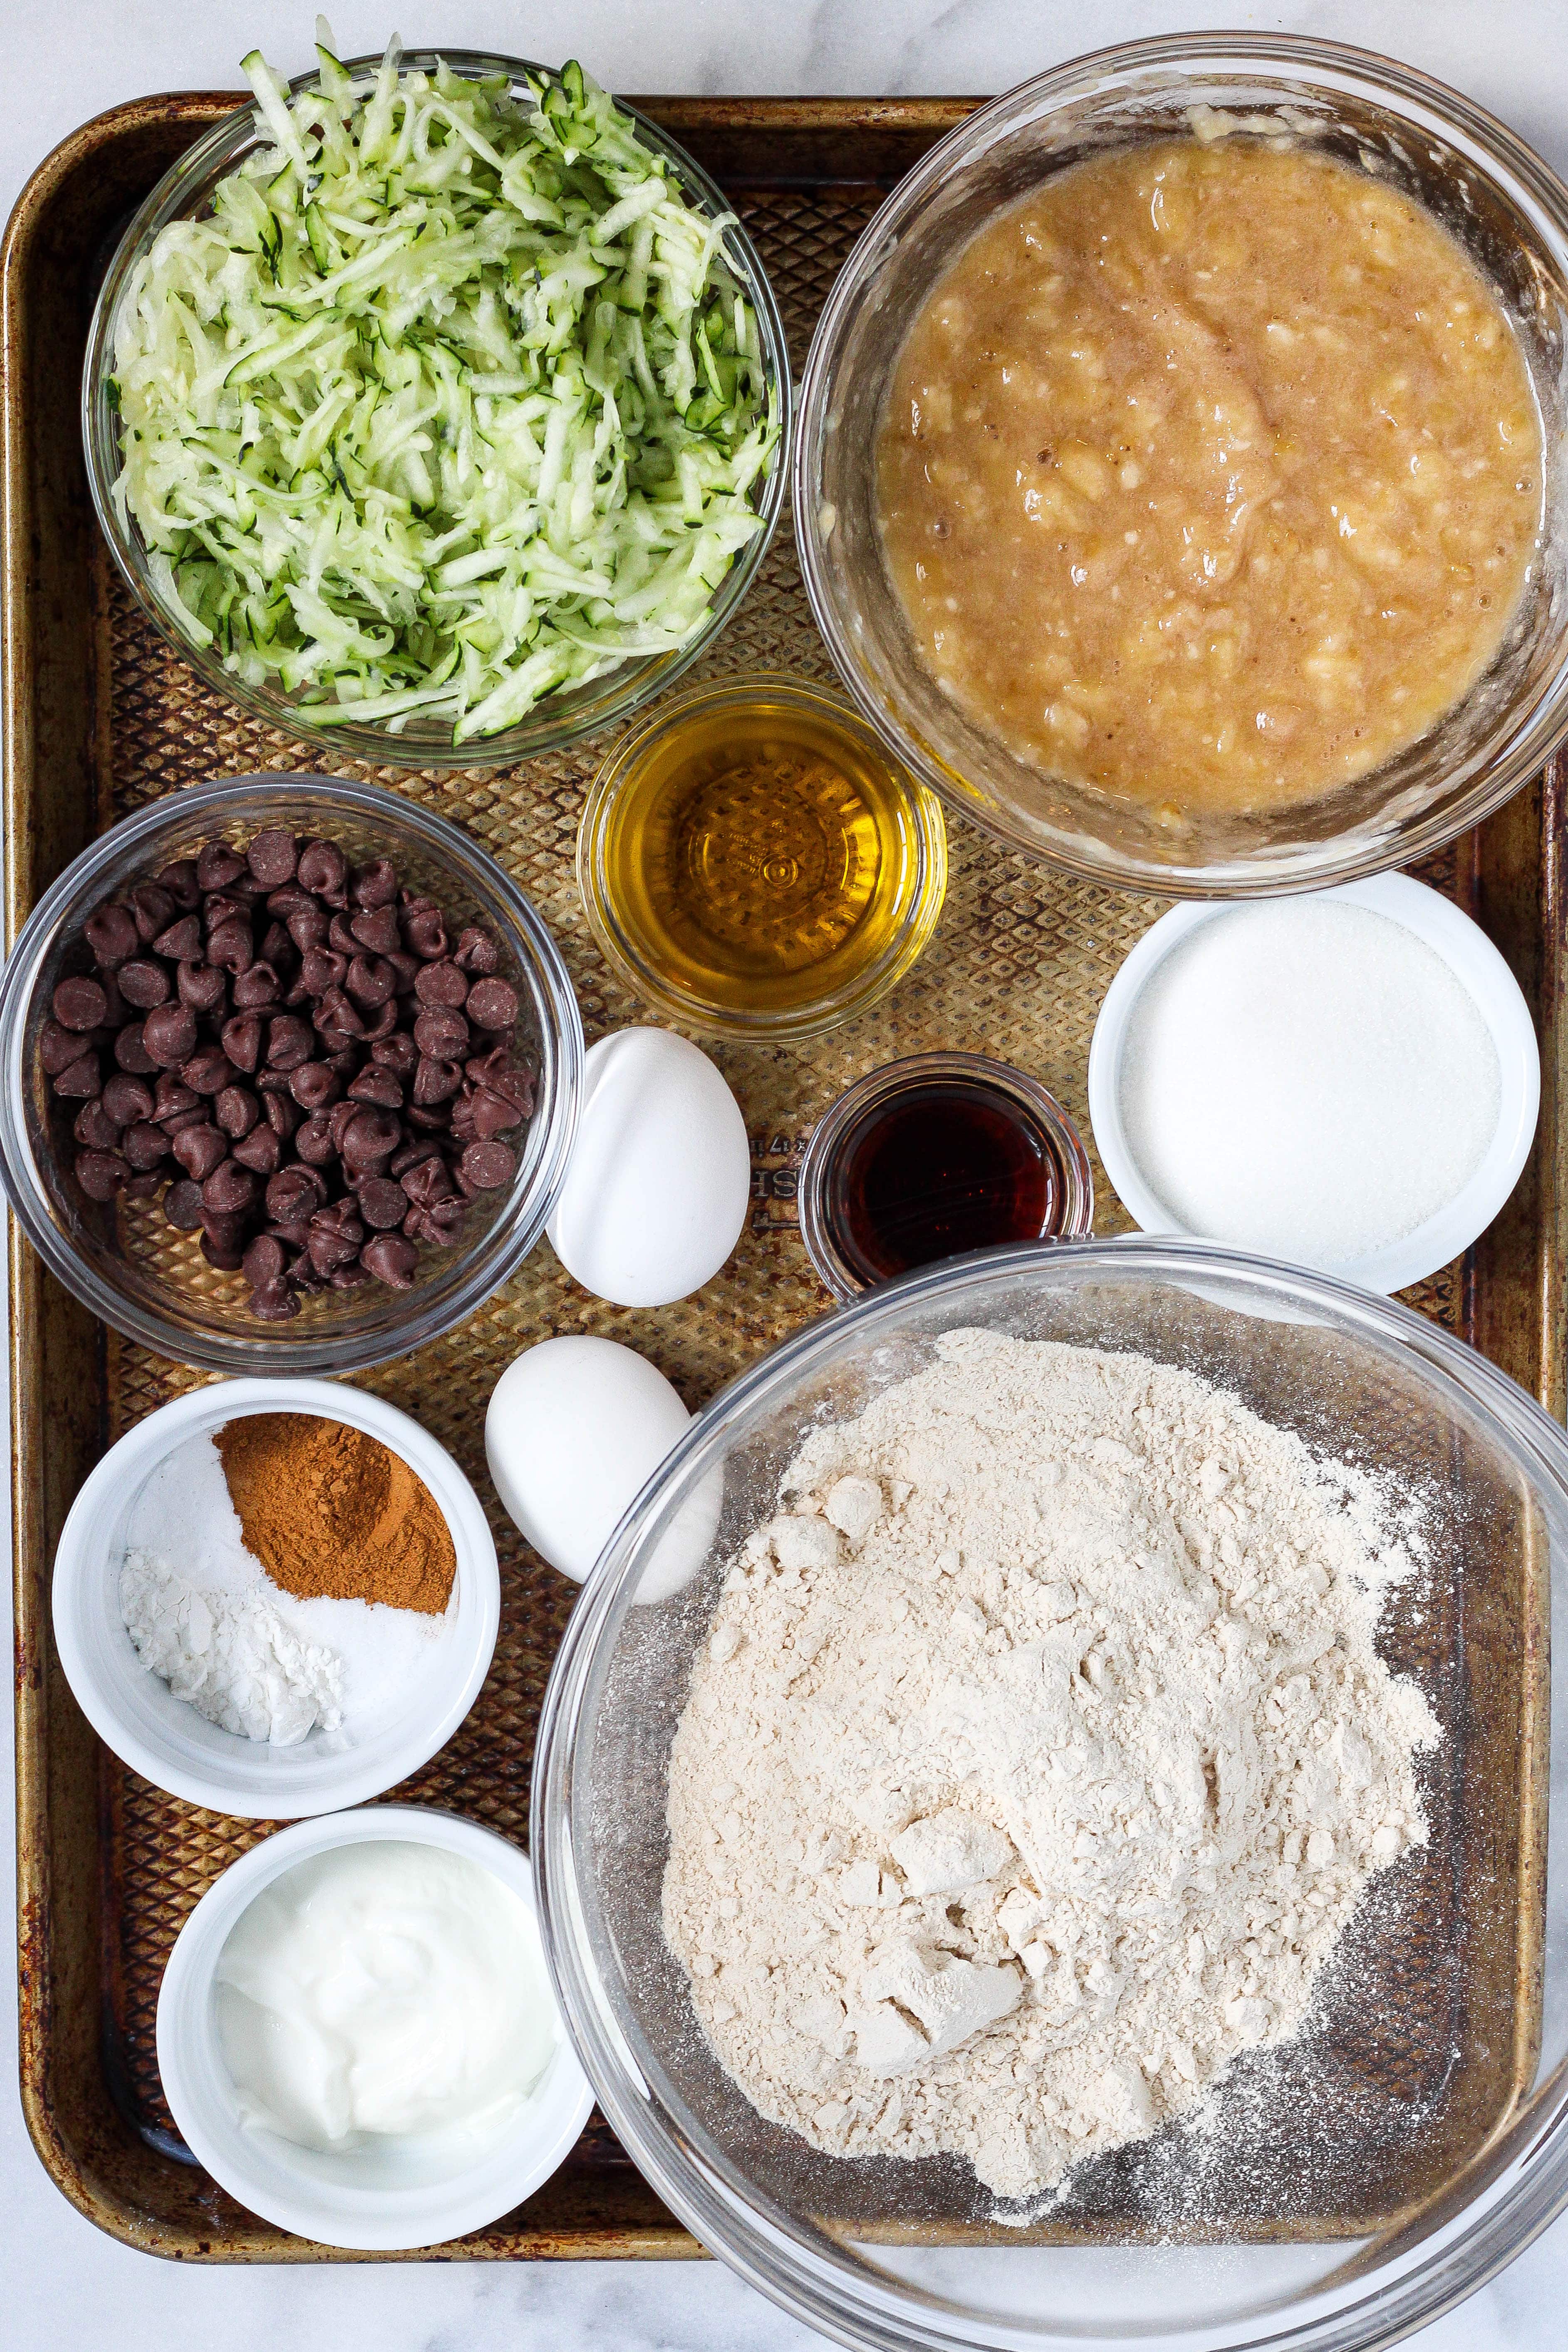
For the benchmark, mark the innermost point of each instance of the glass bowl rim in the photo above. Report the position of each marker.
(640, 678)
(820, 2286)
(506, 1244)
(928, 830)
(1366, 71)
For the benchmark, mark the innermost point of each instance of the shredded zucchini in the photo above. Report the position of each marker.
(449, 403)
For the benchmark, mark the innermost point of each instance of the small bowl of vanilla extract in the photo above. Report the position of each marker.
(933, 1157)
(754, 864)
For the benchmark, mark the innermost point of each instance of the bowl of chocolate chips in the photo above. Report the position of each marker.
(290, 1075)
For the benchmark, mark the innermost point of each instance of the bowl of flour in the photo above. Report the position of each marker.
(1056, 1821)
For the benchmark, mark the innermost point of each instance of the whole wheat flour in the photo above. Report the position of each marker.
(1034, 1760)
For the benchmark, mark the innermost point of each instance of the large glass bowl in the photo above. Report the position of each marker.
(183, 193)
(1505, 207)
(123, 1259)
(1356, 2184)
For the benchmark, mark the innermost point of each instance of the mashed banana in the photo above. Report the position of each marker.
(1210, 476)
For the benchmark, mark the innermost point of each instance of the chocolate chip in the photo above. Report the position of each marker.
(265, 1260)
(127, 1099)
(283, 1114)
(398, 1053)
(237, 1110)
(435, 1082)
(411, 1154)
(274, 1302)
(180, 881)
(322, 868)
(257, 985)
(314, 1086)
(272, 858)
(242, 1041)
(491, 1005)
(93, 1127)
(428, 1182)
(110, 933)
(260, 1150)
(223, 1257)
(217, 865)
(493, 1116)
(374, 884)
(290, 1041)
(379, 1086)
(171, 1095)
(146, 1144)
(231, 946)
(169, 1034)
(201, 987)
(152, 909)
(208, 1071)
(143, 984)
(58, 1047)
(322, 967)
(181, 940)
(443, 1221)
(294, 1193)
(314, 1140)
(80, 1078)
(79, 1004)
(442, 1036)
(375, 928)
(383, 1202)
(424, 933)
(199, 1150)
(489, 1165)
(308, 927)
(328, 1249)
(224, 906)
(476, 954)
(143, 1187)
(182, 1206)
(372, 1135)
(174, 1122)
(229, 1189)
(130, 1052)
(372, 982)
(440, 985)
(391, 1259)
(100, 1174)
(350, 1277)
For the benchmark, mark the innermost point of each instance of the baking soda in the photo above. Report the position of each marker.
(1308, 1081)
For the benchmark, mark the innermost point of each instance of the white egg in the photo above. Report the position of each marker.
(661, 1175)
(575, 1426)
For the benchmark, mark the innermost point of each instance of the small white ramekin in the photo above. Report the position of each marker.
(377, 2201)
(163, 1737)
(1486, 979)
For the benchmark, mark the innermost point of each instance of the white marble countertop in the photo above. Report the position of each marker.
(65, 2285)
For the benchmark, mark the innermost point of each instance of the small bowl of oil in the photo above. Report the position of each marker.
(753, 864)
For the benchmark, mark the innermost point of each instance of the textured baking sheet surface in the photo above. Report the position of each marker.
(1020, 962)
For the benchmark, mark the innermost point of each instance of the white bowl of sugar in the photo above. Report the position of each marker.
(404, 1678)
(1347, 1080)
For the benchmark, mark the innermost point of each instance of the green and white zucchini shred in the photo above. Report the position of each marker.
(451, 401)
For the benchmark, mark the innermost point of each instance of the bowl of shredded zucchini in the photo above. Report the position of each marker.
(437, 404)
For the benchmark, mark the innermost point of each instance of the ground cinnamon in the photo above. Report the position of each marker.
(332, 1513)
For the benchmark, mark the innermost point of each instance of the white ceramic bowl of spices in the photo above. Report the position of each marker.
(357, 2034)
(1347, 1080)
(275, 1598)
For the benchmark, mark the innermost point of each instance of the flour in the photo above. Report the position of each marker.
(1034, 1760)
(229, 1654)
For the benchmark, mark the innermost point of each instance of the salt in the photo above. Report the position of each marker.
(1309, 1081)
(184, 1519)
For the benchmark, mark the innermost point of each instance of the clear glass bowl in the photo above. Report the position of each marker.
(183, 193)
(1504, 206)
(1362, 2181)
(913, 883)
(123, 1260)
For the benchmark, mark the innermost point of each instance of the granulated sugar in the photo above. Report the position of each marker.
(1035, 1760)
(1311, 1081)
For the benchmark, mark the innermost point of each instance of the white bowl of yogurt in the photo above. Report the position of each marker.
(357, 2034)
(409, 1683)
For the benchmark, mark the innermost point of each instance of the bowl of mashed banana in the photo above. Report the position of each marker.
(1180, 487)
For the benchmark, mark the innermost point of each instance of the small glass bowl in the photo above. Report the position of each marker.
(123, 1260)
(1496, 198)
(185, 193)
(611, 831)
(1073, 1216)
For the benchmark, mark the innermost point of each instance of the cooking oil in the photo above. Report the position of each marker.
(757, 858)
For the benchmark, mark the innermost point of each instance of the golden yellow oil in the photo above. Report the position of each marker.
(760, 857)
